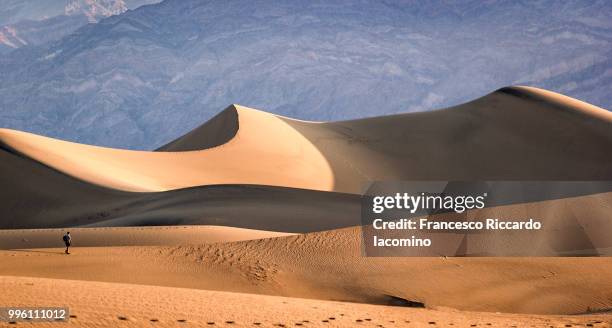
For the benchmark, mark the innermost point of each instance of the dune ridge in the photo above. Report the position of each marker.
(40, 197)
(215, 132)
(264, 151)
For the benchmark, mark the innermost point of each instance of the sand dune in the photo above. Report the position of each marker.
(39, 197)
(514, 133)
(265, 151)
(494, 137)
(128, 305)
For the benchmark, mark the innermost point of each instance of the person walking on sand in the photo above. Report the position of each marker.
(67, 240)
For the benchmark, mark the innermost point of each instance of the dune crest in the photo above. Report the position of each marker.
(218, 130)
(562, 101)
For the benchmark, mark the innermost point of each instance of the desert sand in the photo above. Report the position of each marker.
(127, 305)
(312, 277)
(330, 266)
(131, 236)
(255, 218)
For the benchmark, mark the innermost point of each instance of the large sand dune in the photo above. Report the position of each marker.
(264, 151)
(513, 133)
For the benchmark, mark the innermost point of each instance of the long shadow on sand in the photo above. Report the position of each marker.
(35, 251)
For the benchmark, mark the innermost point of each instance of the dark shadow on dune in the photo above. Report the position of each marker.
(595, 311)
(218, 130)
(398, 301)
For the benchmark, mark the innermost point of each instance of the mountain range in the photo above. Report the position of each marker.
(145, 76)
(34, 22)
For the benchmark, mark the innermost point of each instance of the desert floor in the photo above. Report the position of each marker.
(205, 276)
(101, 304)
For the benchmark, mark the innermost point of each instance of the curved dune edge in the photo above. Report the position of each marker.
(264, 151)
(511, 134)
(217, 131)
(563, 101)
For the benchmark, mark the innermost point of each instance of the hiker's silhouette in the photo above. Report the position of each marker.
(67, 240)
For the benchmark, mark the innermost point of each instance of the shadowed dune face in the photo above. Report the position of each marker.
(217, 131)
(516, 133)
(35, 196)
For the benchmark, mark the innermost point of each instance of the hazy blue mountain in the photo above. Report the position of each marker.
(14, 11)
(34, 22)
(144, 77)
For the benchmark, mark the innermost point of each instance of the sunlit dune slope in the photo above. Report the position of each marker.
(513, 133)
(264, 150)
